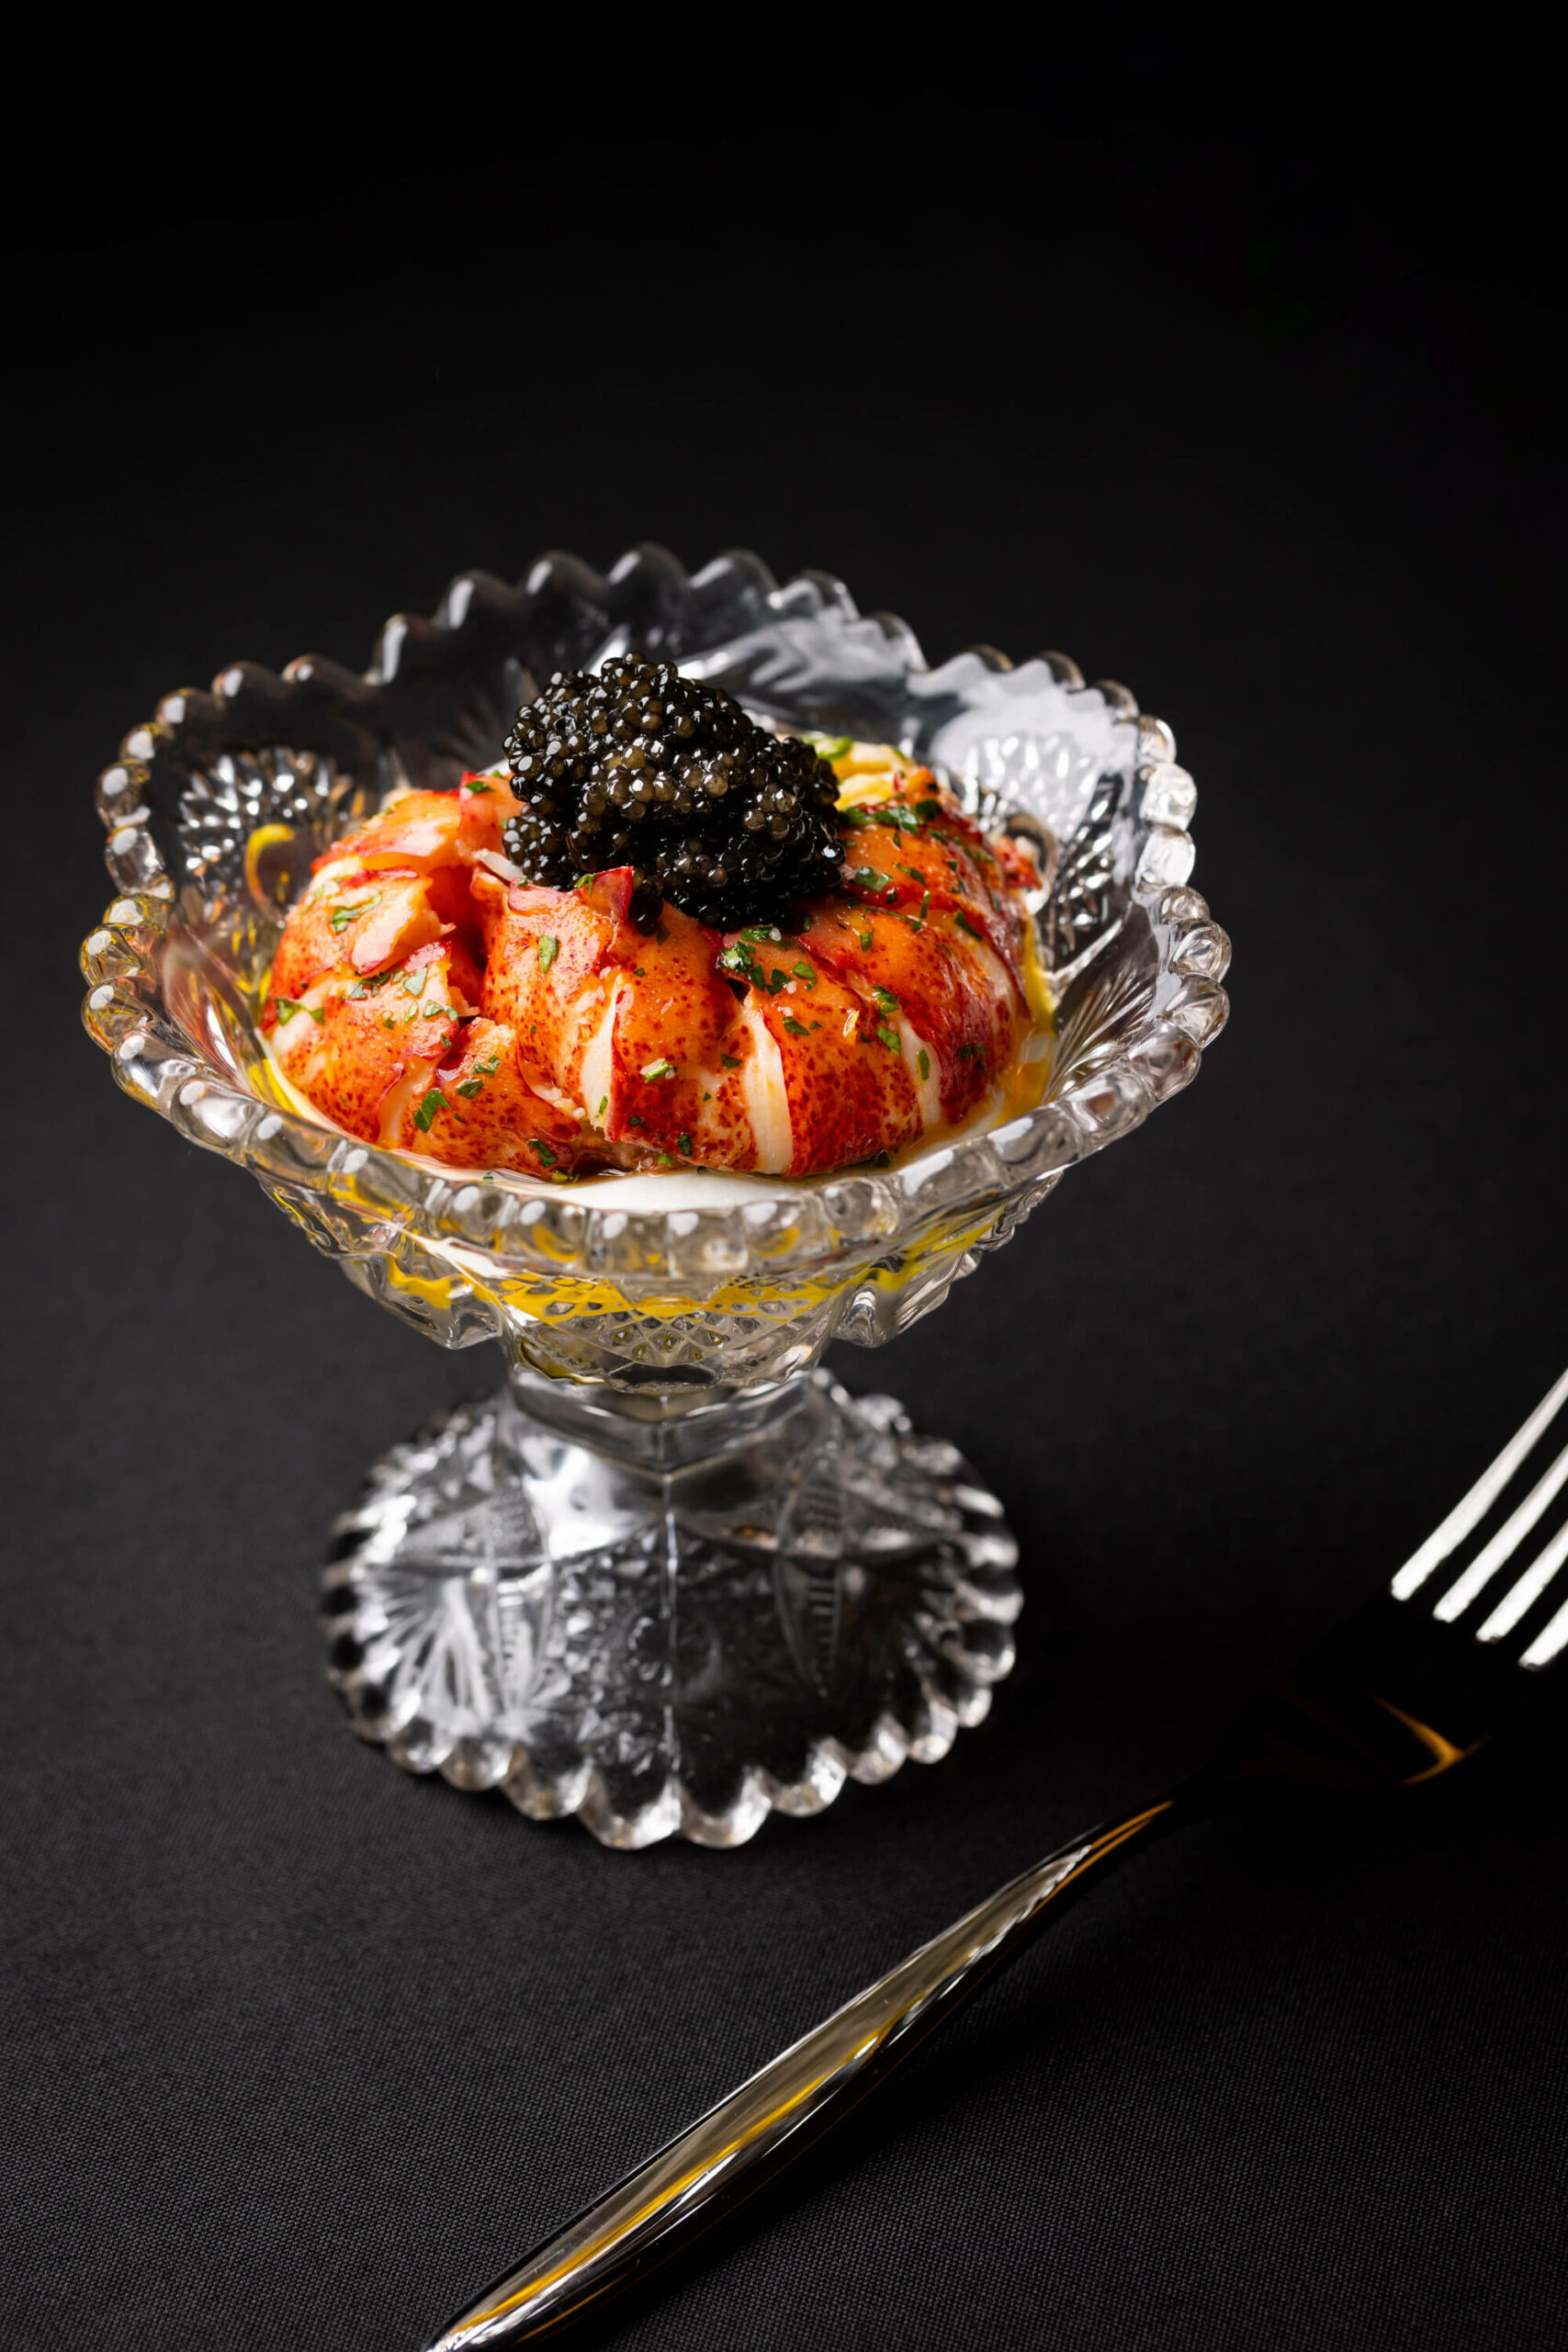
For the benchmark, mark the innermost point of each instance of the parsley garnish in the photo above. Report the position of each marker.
(806, 972)
(633, 1121)
(927, 809)
(470, 1087)
(886, 999)
(965, 924)
(923, 1064)
(731, 1061)
(660, 1068)
(864, 938)
(603, 1106)
(344, 913)
(549, 948)
(796, 1028)
(434, 1101)
(890, 1038)
(967, 1053)
(288, 1006)
(537, 1143)
(683, 1143)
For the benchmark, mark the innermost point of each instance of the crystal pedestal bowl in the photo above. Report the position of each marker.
(671, 1576)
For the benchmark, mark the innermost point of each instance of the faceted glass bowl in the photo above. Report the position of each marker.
(647, 1326)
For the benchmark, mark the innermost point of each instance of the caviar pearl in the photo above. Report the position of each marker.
(731, 823)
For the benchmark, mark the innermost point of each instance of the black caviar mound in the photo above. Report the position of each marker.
(642, 767)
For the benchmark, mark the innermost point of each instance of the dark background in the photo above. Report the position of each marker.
(1236, 377)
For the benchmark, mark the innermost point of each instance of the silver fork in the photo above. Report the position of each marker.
(1406, 1690)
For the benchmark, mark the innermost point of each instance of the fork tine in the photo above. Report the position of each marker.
(1552, 1638)
(1469, 1513)
(1527, 1590)
(1504, 1544)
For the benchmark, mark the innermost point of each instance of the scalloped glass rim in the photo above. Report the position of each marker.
(1135, 956)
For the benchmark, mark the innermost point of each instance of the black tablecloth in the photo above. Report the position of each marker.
(299, 2051)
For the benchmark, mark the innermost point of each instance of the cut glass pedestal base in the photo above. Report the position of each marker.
(670, 1616)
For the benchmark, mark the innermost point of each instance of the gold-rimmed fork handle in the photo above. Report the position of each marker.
(771, 2117)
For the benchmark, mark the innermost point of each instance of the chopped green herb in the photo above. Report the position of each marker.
(923, 1064)
(735, 958)
(806, 972)
(796, 1028)
(288, 1006)
(476, 788)
(637, 972)
(633, 1121)
(549, 948)
(966, 1054)
(604, 1107)
(927, 809)
(777, 978)
(925, 904)
(343, 914)
(870, 879)
(913, 872)
(965, 924)
(731, 1061)
(537, 1143)
(864, 938)
(470, 1087)
(665, 1160)
(757, 931)
(660, 1068)
(412, 983)
(832, 747)
(885, 999)
(434, 1101)
(491, 1063)
(683, 1143)
(890, 1038)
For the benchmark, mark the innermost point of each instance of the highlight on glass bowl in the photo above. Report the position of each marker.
(663, 975)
